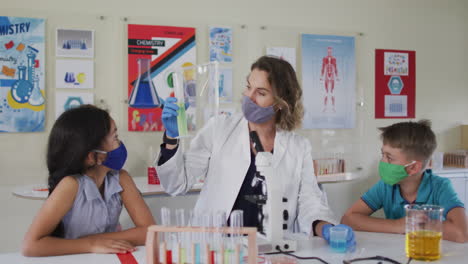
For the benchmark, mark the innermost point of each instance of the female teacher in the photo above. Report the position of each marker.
(223, 153)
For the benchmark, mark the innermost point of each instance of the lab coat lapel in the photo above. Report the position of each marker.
(229, 167)
(239, 165)
(279, 147)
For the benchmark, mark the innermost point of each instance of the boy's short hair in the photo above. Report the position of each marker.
(415, 139)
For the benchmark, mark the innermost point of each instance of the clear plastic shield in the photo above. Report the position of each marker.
(196, 88)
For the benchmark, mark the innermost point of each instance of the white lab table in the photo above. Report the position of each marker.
(368, 245)
(40, 192)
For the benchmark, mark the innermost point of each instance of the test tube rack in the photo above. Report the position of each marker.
(324, 166)
(458, 159)
(153, 245)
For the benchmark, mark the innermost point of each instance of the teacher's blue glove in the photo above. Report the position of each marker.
(350, 240)
(169, 117)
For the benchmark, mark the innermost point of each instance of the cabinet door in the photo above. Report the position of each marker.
(459, 185)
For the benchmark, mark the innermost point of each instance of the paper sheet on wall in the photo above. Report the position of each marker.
(68, 100)
(74, 74)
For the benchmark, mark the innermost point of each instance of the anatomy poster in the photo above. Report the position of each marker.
(68, 100)
(154, 53)
(22, 76)
(328, 81)
(220, 43)
(74, 74)
(395, 83)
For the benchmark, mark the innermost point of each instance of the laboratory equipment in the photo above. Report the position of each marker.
(338, 236)
(273, 213)
(423, 231)
(144, 94)
(458, 159)
(235, 249)
(196, 88)
(167, 239)
(154, 249)
(177, 80)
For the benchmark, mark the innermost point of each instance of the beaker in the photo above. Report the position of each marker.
(423, 231)
(144, 94)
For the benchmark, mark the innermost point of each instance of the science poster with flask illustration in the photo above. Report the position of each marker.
(22, 74)
(154, 54)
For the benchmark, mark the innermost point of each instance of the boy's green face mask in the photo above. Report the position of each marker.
(391, 174)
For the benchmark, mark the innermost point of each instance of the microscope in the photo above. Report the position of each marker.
(273, 214)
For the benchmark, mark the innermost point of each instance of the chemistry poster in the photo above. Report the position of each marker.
(328, 81)
(395, 83)
(220, 43)
(154, 52)
(22, 64)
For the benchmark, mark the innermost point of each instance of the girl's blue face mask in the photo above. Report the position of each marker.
(116, 158)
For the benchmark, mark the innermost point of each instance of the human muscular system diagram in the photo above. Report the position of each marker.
(328, 76)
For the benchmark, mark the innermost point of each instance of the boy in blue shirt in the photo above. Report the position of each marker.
(406, 151)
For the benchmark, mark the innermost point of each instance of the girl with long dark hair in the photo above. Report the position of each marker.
(87, 188)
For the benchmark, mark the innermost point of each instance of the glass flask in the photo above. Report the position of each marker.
(144, 94)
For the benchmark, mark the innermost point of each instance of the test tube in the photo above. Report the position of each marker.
(180, 95)
(167, 243)
(207, 223)
(196, 254)
(219, 223)
(237, 222)
(181, 236)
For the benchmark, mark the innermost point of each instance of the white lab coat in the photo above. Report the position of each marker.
(220, 153)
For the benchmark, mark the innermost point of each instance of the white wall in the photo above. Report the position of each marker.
(435, 29)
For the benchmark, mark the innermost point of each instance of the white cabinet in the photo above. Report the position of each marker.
(466, 195)
(459, 186)
(459, 179)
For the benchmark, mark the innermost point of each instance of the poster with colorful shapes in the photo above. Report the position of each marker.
(220, 43)
(68, 100)
(154, 53)
(22, 76)
(328, 81)
(74, 74)
(395, 83)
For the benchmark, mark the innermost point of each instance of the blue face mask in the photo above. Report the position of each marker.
(116, 158)
(255, 113)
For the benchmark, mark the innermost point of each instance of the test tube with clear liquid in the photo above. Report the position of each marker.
(167, 243)
(179, 93)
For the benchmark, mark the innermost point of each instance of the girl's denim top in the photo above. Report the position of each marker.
(93, 213)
